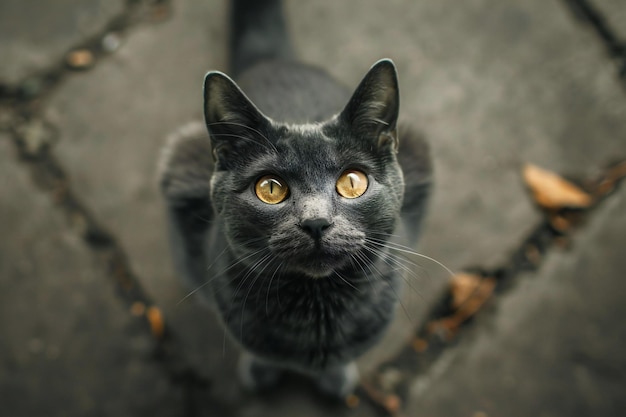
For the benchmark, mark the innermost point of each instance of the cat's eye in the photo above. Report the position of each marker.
(271, 190)
(351, 184)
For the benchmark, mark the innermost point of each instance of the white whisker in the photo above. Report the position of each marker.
(404, 249)
(269, 286)
(346, 281)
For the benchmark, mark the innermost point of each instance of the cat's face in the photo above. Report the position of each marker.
(306, 199)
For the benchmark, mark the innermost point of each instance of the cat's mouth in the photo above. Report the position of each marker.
(316, 258)
(320, 263)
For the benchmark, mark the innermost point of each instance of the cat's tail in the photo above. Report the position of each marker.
(258, 33)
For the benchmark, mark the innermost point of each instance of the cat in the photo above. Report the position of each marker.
(285, 206)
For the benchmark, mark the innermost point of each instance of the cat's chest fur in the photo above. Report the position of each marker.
(303, 323)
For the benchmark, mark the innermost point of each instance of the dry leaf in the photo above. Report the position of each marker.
(481, 292)
(610, 179)
(553, 192)
(137, 309)
(446, 327)
(462, 286)
(469, 293)
(391, 403)
(533, 255)
(80, 59)
(352, 401)
(155, 318)
(560, 223)
(419, 345)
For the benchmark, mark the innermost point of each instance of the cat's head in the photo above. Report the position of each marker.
(306, 198)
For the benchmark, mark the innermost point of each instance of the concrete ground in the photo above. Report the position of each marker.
(493, 85)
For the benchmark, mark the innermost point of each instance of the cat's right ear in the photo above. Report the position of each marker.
(233, 121)
(372, 112)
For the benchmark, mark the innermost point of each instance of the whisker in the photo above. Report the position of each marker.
(355, 259)
(401, 248)
(269, 286)
(246, 127)
(207, 221)
(195, 290)
(387, 258)
(244, 138)
(390, 284)
(256, 278)
(398, 260)
(346, 281)
(387, 234)
(243, 280)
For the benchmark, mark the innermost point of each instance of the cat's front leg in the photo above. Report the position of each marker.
(340, 381)
(256, 374)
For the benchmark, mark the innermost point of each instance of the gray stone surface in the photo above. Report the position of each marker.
(492, 84)
(554, 346)
(34, 36)
(490, 91)
(67, 346)
(114, 120)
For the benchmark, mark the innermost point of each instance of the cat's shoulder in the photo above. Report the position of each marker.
(186, 162)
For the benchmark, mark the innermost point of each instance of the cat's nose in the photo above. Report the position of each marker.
(315, 227)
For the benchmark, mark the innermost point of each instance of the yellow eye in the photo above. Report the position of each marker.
(352, 184)
(271, 189)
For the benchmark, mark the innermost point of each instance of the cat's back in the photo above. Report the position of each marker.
(293, 92)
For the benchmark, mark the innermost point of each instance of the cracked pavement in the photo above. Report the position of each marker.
(492, 85)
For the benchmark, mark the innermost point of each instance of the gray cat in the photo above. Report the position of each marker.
(284, 216)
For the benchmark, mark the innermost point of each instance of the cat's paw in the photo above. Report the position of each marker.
(339, 382)
(256, 375)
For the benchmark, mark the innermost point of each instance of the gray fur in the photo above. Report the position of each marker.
(296, 300)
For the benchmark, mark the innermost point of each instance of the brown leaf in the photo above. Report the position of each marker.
(352, 401)
(157, 324)
(609, 180)
(469, 293)
(80, 59)
(552, 192)
(446, 327)
(533, 255)
(462, 286)
(560, 223)
(138, 309)
(391, 403)
(419, 345)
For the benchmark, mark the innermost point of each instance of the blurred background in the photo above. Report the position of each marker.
(94, 321)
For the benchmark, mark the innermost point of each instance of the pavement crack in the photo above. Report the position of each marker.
(440, 331)
(50, 177)
(33, 88)
(21, 108)
(585, 11)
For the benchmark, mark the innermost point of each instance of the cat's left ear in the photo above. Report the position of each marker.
(234, 123)
(373, 109)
